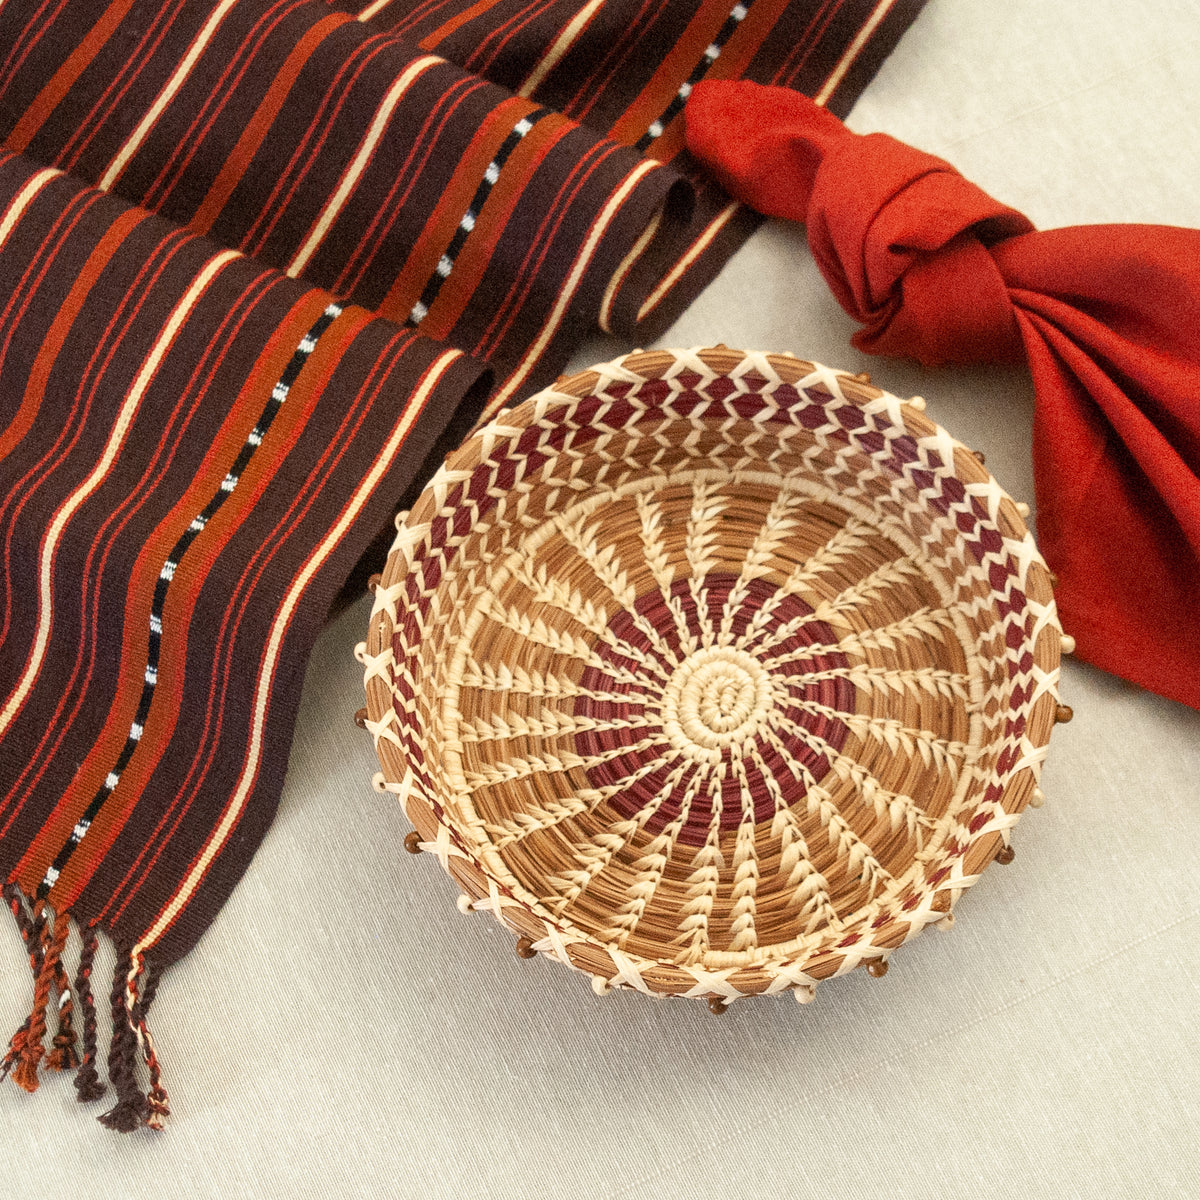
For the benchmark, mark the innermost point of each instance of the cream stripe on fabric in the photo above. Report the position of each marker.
(622, 272)
(853, 51)
(22, 201)
(562, 44)
(366, 149)
(371, 9)
(722, 219)
(566, 295)
(130, 148)
(698, 247)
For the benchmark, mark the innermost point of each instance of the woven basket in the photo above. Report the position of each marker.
(713, 673)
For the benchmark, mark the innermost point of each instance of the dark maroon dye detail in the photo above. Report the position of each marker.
(813, 416)
(904, 451)
(954, 490)
(721, 389)
(990, 541)
(746, 407)
(654, 391)
(850, 417)
(622, 414)
(837, 694)
(872, 442)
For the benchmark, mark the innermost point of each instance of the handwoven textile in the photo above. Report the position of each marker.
(503, 204)
(1105, 316)
(260, 264)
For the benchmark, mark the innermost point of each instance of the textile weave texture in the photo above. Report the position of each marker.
(261, 264)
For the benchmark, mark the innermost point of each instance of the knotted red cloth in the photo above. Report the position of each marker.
(1106, 316)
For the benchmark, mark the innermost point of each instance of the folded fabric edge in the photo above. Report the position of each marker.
(45, 932)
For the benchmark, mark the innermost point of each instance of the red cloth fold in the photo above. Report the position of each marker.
(1106, 316)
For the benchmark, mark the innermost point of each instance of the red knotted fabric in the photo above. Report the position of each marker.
(1106, 316)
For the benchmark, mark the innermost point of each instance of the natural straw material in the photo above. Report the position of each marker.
(713, 673)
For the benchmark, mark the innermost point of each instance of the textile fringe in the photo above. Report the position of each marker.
(135, 982)
(87, 1080)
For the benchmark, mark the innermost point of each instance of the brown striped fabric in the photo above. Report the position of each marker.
(261, 262)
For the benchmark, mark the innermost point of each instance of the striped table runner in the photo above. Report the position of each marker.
(261, 263)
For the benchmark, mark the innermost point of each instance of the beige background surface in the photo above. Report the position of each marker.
(344, 1031)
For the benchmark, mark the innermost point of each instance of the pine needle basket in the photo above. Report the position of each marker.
(713, 673)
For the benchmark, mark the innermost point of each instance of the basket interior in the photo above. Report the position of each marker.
(722, 663)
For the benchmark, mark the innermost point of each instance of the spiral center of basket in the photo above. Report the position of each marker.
(716, 697)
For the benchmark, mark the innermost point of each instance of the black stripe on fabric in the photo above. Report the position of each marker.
(279, 393)
(463, 230)
(659, 125)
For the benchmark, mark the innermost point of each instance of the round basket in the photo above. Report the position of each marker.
(713, 673)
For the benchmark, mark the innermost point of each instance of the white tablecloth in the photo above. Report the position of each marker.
(343, 1031)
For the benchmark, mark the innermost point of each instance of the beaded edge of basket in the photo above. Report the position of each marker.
(609, 966)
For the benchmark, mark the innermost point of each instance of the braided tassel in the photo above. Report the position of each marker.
(63, 1056)
(30, 1055)
(131, 1109)
(135, 983)
(31, 930)
(87, 1082)
(157, 1100)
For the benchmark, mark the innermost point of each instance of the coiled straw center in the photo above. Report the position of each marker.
(716, 697)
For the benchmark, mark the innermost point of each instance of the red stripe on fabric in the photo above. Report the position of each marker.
(556, 213)
(808, 44)
(45, 467)
(477, 251)
(68, 158)
(39, 373)
(481, 62)
(35, 658)
(736, 55)
(326, 116)
(210, 738)
(220, 92)
(442, 32)
(24, 293)
(38, 25)
(260, 123)
(406, 176)
(433, 239)
(747, 39)
(676, 66)
(592, 89)
(383, 19)
(31, 868)
(411, 418)
(49, 98)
